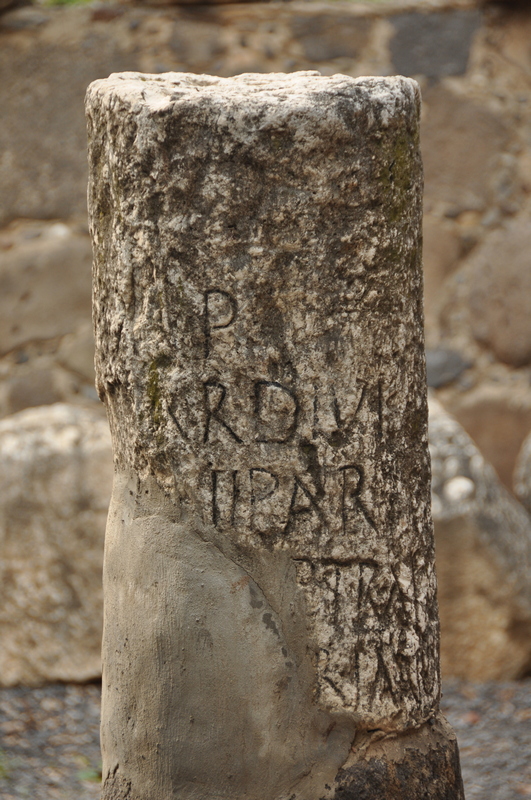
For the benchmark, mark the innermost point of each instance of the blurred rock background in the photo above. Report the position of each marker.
(473, 62)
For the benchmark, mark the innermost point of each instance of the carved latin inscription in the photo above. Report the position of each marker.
(283, 458)
(276, 408)
(215, 394)
(220, 312)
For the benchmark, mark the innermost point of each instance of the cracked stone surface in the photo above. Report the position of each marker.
(258, 322)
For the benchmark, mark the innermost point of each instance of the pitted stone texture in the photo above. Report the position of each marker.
(483, 541)
(259, 347)
(55, 477)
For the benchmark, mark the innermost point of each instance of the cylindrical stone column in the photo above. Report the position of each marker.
(271, 626)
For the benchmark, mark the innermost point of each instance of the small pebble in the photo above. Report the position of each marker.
(459, 489)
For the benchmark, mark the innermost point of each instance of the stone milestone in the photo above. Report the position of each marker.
(271, 626)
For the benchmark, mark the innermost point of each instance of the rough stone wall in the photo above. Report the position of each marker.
(473, 65)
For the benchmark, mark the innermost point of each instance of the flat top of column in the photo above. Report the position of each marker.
(159, 92)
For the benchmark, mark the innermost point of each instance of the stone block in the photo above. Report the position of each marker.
(444, 365)
(43, 170)
(483, 545)
(435, 44)
(497, 416)
(441, 254)
(462, 143)
(498, 279)
(46, 69)
(37, 387)
(45, 283)
(76, 352)
(196, 43)
(55, 482)
(325, 37)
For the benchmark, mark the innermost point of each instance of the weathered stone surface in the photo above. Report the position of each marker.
(43, 169)
(522, 474)
(76, 351)
(462, 147)
(36, 387)
(45, 285)
(435, 45)
(499, 283)
(497, 416)
(483, 543)
(42, 137)
(326, 36)
(265, 386)
(28, 380)
(46, 341)
(55, 480)
(444, 365)
(404, 770)
(196, 42)
(441, 253)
